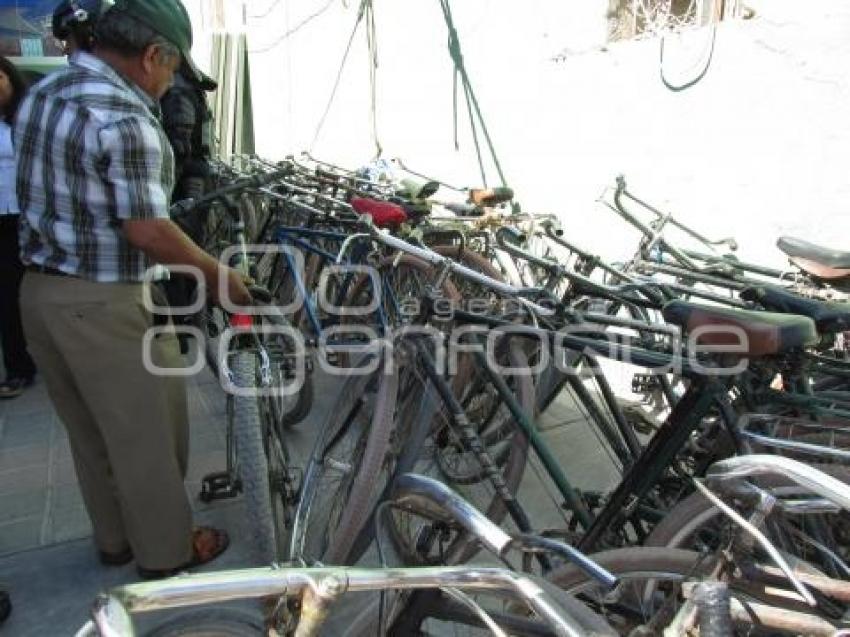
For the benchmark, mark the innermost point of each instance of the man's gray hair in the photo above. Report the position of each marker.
(124, 34)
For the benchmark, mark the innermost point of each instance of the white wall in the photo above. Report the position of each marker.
(760, 147)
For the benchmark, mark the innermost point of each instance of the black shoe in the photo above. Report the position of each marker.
(14, 387)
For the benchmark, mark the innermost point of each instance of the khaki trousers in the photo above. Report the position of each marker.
(128, 428)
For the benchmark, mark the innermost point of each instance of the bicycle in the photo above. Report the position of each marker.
(658, 586)
(534, 606)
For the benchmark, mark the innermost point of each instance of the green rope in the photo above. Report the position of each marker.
(476, 120)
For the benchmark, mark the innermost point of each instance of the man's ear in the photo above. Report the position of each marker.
(149, 57)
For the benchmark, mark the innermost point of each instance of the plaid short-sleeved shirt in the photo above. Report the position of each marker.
(90, 153)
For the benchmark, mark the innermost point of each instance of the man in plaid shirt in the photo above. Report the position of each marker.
(94, 178)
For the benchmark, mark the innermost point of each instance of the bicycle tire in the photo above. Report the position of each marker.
(251, 459)
(211, 622)
(469, 258)
(447, 289)
(513, 469)
(303, 404)
(366, 624)
(276, 278)
(277, 344)
(682, 522)
(657, 566)
(650, 563)
(365, 471)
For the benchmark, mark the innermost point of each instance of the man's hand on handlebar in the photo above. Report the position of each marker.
(236, 285)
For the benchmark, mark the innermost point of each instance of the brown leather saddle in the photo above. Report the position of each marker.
(821, 263)
(747, 332)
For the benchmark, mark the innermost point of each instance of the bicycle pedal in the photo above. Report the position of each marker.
(219, 486)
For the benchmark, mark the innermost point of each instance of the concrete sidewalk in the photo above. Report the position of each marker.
(47, 560)
(40, 503)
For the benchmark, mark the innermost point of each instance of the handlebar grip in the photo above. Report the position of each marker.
(554, 226)
(512, 235)
(260, 294)
(463, 209)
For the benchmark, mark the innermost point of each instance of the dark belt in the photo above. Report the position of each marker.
(43, 269)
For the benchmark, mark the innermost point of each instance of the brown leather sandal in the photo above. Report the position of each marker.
(207, 544)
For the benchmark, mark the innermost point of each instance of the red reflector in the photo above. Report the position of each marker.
(242, 321)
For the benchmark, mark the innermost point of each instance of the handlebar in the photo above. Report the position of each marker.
(245, 183)
(654, 236)
(429, 256)
(320, 587)
(433, 498)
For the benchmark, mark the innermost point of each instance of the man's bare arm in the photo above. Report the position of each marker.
(164, 242)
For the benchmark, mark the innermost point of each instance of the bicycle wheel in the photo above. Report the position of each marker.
(430, 612)
(696, 524)
(288, 362)
(346, 473)
(210, 622)
(247, 425)
(445, 453)
(274, 276)
(275, 406)
(650, 581)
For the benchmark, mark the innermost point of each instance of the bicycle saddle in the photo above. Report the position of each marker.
(383, 213)
(820, 262)
(756, 333)
(829, 316)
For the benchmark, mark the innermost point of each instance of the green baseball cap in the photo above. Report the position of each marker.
(169, 19)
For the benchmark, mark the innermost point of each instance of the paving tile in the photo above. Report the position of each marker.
(22, 504)
(22, 431)
(26, 479)
(202, 464)
(63, 471)
(61, 450)
(206, 442)
(20, 457)
(34, 402)
(24, 533)
(65, 497)
(67, 525)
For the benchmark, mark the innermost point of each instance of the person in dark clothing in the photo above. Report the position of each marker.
(20, 368)
(187, 121)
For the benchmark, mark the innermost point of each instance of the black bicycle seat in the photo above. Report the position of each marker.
(829, 316)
